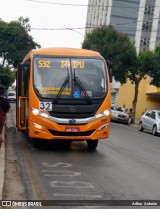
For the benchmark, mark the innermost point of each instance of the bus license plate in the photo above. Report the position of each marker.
(72, 129)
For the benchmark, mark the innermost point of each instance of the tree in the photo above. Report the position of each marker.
(126, 64)
(115, 47)
(7, 76)
(15, 42)
(155, 73)
(145, 64)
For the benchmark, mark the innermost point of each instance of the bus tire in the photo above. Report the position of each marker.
(92, 144)
(37, 143)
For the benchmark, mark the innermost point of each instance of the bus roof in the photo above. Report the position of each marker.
(63, 52)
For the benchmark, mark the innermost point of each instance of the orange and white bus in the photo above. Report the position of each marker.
(64, 94)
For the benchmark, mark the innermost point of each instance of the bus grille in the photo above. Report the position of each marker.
(74, 110)
(59, 133)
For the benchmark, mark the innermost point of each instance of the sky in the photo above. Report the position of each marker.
(49, 20)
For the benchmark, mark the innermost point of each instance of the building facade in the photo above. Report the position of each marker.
(140, 19)
(148, 97)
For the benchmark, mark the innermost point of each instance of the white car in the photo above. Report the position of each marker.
(150, 120)
(118, 114)
(11, 96)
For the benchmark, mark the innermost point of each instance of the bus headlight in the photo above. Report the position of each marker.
(35, 111)
(103, 127)
(106, 112)
(38, 126)
(39, 112)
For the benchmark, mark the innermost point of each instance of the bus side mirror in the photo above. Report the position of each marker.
(110, 74)
(109, 70)
(20, 67)
(23, 67)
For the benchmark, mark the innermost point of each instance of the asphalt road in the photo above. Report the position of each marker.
(125, 167)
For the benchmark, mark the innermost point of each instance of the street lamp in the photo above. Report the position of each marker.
(75, 31)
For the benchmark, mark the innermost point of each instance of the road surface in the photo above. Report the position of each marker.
(125, 167)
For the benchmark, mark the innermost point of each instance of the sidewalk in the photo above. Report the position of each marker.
(136, 123)
(2, 163)
(9, 123)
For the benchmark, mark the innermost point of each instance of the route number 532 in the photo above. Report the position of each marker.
(45, 106)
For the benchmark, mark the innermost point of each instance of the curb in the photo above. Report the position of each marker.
(2, 163)
(8, 123)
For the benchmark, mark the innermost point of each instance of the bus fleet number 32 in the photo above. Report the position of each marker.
(45, 106)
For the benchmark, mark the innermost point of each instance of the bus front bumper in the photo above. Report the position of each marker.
(48, 129)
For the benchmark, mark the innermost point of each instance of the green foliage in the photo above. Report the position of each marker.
(7, 76)
(126, 64)
(155, 73)
(15, 42)
(115, 47)
(24, 22)
(144, 65)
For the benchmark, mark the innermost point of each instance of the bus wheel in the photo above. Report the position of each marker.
(92, 144)
(37, 143)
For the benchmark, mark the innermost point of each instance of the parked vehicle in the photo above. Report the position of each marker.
(11, 96)
(119, 114)
(150, 120)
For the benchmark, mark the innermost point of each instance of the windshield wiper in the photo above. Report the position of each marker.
(80, 86)
(61, 89)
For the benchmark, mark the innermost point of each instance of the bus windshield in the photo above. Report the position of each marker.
(70, 78)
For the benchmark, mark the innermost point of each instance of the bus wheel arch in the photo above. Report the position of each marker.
(37, 143)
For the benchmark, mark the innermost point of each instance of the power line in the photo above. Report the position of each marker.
(75, 30)
(55, 3)
(84, 5)
(82, 28)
